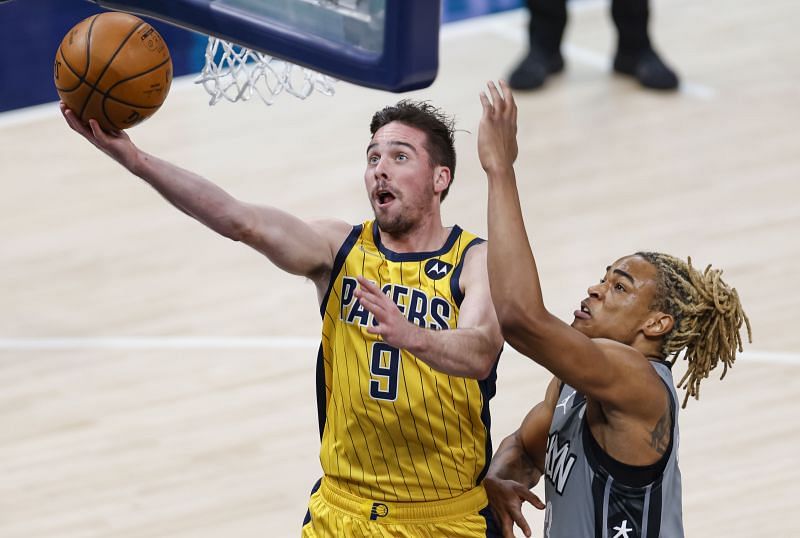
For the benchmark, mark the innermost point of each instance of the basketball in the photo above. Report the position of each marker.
(114, 68)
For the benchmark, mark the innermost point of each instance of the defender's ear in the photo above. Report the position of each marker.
(441, 178)
(658, 324)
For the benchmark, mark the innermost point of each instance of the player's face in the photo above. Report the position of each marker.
(399, 177)
(619, 305)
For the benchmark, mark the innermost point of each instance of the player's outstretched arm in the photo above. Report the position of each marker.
(607, 371)
(518, 465)
(289, 242)
(469, 350)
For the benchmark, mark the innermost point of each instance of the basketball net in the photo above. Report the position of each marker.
(237, 73)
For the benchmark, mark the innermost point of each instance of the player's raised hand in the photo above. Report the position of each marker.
(497, 133)
(115, 144)
(506, 498)
(392, 326)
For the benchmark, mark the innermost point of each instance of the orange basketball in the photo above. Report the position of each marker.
(113, 67)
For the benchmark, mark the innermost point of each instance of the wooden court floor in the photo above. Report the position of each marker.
(157, 381)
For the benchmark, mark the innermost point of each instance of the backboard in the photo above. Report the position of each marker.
(384, 44)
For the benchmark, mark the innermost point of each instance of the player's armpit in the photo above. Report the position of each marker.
(477, 310)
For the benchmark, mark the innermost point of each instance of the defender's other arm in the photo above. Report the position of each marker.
(518, 465)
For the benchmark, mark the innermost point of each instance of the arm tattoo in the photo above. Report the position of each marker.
(660, 435)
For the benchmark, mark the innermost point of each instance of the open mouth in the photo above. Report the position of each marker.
(384, 198)
(584, 312)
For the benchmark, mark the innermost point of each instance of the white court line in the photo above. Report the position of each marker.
(124, 343)
(31, 344)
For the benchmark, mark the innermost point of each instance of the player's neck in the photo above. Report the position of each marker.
(427, 236)
(651, 349)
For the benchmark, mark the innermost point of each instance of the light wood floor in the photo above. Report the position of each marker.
(216, 435)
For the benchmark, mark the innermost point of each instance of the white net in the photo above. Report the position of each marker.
(237, 73)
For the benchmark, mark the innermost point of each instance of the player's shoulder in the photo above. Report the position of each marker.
(617, 349)
(623, 354)
(477, 251)
(473, 265)
(335, 231)
(637, 371)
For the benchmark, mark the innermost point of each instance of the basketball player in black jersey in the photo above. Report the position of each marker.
(605, 437)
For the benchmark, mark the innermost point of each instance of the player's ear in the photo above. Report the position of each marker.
(658, 324)
(441, 178)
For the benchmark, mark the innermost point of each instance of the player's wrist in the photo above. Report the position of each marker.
(416, 338)
(499, 171)
(135, 160)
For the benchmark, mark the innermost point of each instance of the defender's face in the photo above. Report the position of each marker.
(399, 177)
(618, 306)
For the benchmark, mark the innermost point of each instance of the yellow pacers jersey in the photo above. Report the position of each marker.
(392, 427)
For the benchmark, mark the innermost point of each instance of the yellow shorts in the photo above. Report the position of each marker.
(336, 514)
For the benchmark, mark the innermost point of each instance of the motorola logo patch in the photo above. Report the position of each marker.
(436, 269)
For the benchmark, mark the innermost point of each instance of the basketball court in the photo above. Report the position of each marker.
(158, 381)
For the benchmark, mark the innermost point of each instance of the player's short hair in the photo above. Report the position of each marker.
(438, 127)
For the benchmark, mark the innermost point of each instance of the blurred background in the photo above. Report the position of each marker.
(157, 380)
(35, 28)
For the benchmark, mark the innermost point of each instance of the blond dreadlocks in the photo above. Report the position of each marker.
(708, 316)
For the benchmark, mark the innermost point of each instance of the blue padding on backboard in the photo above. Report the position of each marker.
(409, 60)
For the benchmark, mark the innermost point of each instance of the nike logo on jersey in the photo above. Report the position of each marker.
(558, 463)
(436, 269)
(563, 403)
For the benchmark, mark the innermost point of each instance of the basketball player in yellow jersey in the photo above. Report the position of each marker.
(410, 339)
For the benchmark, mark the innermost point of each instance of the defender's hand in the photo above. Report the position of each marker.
(497, 133)
(506, 498)
(392, 326)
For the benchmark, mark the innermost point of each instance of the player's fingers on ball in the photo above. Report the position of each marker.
(66, 111)
(97, 131)
(69, 115)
